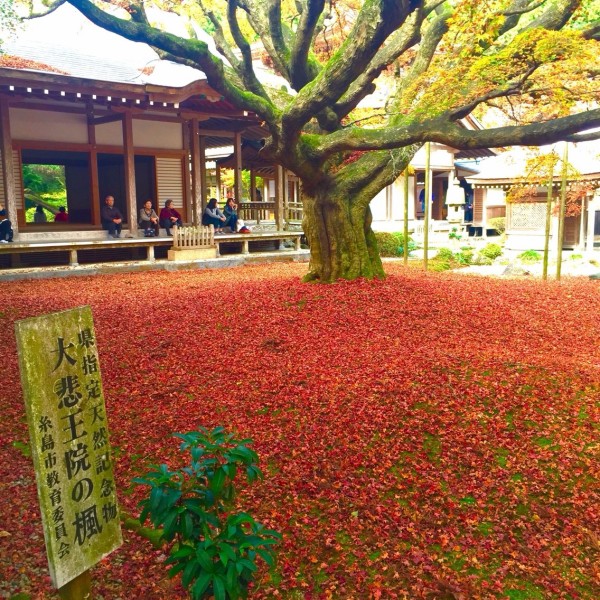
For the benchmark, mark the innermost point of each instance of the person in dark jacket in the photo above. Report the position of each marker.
(111, 217)
(231, 217)
(6, 230)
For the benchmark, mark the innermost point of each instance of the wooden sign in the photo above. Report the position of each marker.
(68, 428)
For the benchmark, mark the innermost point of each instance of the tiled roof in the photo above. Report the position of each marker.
(67, 42)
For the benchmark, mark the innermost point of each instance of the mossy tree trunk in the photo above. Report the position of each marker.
(342, 244)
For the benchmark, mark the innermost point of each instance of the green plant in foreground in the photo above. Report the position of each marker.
(214, 548)
(530, 256)
(491, 251)
(498, 223)
(392, 244)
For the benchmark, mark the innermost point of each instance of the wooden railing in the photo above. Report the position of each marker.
(193, 237)
(257, 211)
(294, 211)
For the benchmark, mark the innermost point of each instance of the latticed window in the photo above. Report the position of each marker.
(528, 215)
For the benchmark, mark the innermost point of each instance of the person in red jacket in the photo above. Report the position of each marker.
(62, 216)
(169, 217)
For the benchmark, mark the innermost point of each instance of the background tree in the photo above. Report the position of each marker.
(535, 60)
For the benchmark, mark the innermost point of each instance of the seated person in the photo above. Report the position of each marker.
(6, 230)
(112, 218)
(149, 220)
(39, 216)
(231, 217)
(62, 216)
(213, 216)
(170, 217)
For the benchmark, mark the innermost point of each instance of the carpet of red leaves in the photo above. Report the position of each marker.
(427, 436)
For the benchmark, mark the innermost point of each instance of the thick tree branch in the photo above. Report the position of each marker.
(509, 89)
(592, 32)
(556, 15)
(191, 52)
(255, 13)
(48, 8)
(444, 131)
(406, 37)
(244, 68)
(377, 20)
(427, 50)
(301, 70)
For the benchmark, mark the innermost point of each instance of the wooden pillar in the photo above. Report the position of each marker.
(427, 206)
(130, 196)
(218, 177)
(197, 197)
(203, 176)
(591, 219)
(8, 173)
(94, 179)
(279, 191)
(252, 186)
(237, 149)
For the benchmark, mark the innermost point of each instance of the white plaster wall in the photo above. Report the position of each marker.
(48, 126)
(378, 206)
(495, 197)
(110, 134)
(441, 157)
(157, 134)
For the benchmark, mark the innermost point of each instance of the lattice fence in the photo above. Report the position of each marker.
(527, 215)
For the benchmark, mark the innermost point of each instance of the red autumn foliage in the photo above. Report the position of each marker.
(427, 436)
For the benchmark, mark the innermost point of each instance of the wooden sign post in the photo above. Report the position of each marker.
(68, 429)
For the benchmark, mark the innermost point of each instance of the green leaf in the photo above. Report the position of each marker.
(201, 585)
(231, 581)
(205, 560)
(170, 524)
(187, 526)
(217, 481)
(182, 552)
(219, 587)
(248, 564)
(189, 573)
(176, 569)
(226, 552)
(266, 556)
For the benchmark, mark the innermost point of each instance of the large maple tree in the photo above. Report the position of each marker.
(441, 61)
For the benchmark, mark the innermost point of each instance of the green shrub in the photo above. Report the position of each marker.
(215, 548)
(491, 251)
(464, 257)
(444, 254)
(498, 223)
(440, 265)
(480, 259)
(576, 256)
(392, 244)
(530, 256)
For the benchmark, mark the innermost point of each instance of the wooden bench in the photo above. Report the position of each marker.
(188, 240)
(260, 236)
(73, 246)
(150, 243)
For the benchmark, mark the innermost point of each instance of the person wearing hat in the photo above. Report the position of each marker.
(6, 230)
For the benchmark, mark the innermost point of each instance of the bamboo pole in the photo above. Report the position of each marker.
(405, 240)
(548, 223)
(427, 206)
(561, 216)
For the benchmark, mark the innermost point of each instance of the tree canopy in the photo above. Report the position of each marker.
(435, 62)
